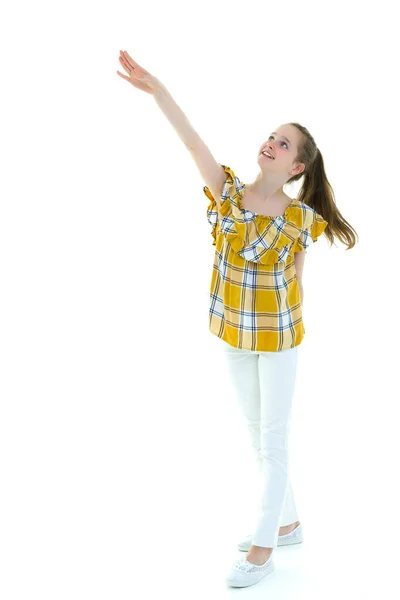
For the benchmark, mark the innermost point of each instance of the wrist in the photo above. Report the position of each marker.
(159, 87)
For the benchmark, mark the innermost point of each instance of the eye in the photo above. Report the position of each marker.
(271, 136)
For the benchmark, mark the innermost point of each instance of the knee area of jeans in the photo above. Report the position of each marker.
(278, 432)
(271, 441)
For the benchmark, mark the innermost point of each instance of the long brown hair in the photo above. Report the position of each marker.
(317, 192)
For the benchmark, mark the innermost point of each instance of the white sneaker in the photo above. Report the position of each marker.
(294, 537)
(244, 573)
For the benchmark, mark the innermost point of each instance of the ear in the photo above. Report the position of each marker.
(299, 169)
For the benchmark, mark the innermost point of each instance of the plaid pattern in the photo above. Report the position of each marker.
(254, 296)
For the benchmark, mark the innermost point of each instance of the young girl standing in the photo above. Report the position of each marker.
(260, 236)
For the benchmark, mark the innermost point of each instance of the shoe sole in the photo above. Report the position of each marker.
(282, 540)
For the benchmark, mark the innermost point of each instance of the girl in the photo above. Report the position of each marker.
(260, 236)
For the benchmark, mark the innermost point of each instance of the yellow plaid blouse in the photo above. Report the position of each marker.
(254, 296)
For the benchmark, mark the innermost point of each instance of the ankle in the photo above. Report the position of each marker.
(288, 528)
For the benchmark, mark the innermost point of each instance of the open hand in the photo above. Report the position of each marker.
(137, 75)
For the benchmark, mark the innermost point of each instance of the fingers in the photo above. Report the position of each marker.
(124, 59)
(123, 76)
(130, 59)
(132, 63)
(125, 64)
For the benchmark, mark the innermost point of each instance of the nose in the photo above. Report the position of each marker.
(269, 146)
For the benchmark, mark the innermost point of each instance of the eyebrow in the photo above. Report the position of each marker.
(285, 138)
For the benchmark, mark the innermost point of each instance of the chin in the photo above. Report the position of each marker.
(264, 161)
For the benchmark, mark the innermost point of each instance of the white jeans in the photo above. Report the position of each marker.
(264, 384)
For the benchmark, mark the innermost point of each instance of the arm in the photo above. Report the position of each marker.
(299, 258)
(211, 171)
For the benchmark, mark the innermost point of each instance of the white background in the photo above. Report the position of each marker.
(125, 467)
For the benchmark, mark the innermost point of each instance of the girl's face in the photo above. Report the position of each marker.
(282, 144)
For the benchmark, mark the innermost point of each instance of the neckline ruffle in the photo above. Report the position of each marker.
(291, 214)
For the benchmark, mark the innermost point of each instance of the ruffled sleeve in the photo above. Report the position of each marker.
(212, 213)
(312, 226)
(212, 208)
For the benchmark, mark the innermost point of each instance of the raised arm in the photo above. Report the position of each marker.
(211, 171)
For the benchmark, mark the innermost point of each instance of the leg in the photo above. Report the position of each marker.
(289, 515)
(277, 375)
(242, 368)
(243, 371)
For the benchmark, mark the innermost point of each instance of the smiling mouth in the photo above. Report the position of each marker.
(267, 155)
